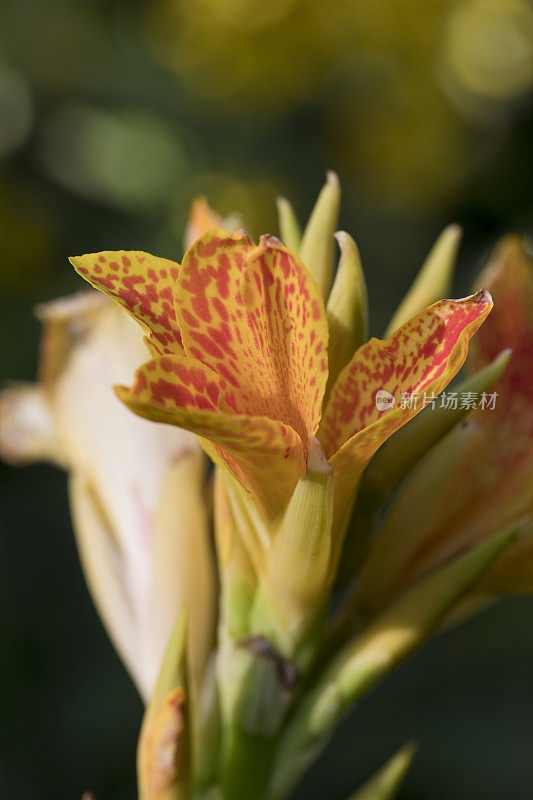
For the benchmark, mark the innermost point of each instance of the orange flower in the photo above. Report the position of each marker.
(239, 340)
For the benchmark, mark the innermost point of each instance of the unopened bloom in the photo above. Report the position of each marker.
(136, 489)
(479, 480)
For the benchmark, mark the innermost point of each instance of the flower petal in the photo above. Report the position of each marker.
(422, 356)
(255, 316)
(509, 277)
(28, 432)
(493, 484)
(144, 285)
(265, 455)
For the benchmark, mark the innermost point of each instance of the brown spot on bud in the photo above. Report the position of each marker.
(261, 647)
(161, 746)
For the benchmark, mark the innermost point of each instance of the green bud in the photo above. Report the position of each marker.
(385, 784)
(347, 308)
(298, 564)
(317, 248)
(163, 754)
(256, 686)
(433, 281)
(408, 522)
(289, 227)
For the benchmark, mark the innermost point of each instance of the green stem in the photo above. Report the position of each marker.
(246, 765)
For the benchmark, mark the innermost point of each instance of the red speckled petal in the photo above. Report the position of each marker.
(493, 484)
(422, 356)
(264, 454)
(143, 285)
(254, 315)
(509, 278)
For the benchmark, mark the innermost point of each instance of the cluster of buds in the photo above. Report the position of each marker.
(325, 494)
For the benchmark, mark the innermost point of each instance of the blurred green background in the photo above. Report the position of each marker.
(113, 116)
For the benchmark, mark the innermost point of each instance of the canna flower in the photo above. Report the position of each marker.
(260, 353)
(479, 480)
(239, 340)
(135, 488)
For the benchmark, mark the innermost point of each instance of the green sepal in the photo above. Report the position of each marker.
(289, 226)
(347, 309)
(433, 281)
(385, 784)
(317, 249)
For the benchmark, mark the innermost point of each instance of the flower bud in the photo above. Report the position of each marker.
(297, 579)
(289, 228)
(163, 754)
(317, 247)
(433, 281)
(347, 309)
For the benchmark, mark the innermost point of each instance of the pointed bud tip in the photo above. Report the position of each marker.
(316, 458)
(454, 230)
(269, 240)
(344, 240)
(341, 237)
(504, 357)
(482, 297)
(332, 178)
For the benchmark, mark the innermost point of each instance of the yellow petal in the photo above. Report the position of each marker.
(423, 356)
(142, 284)
(265, 455)
(403, 450)
(254, 316)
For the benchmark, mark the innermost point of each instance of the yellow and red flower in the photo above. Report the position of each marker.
(239, 339)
